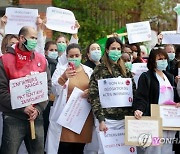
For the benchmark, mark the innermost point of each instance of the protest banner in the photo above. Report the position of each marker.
(18, 18)
(28, 90)
(61, 20)
(115, 92)
(75, 112)
(170, 115)
(137, 70)
(113, 142)
(145, 129)
(138, 32)
(170, 37)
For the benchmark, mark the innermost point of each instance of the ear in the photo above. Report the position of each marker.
(21, 38)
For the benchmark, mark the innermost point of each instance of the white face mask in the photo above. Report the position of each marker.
(53, 54)
(171, 56)
(95, 55)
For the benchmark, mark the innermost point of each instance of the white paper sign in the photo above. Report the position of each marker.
(19, 17)
(170, 116)
(170, 37)
(75, 112)
(137, 70)
(115, 92)
(139, 32)
(60, 20)
(113, 142)
(28, 90)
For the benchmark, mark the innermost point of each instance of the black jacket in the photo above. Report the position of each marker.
(147, 92)
(52, 64)
(90, 64)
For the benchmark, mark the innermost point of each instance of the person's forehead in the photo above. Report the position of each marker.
(94, 45)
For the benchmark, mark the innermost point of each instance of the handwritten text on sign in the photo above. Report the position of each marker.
(170, 116)
(113, 142)
(139, 32)
(60, 20)
(137, 70)
(75, 112)
(19, 17)
(28, 90)
(115, 92)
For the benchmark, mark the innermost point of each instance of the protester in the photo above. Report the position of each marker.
(158, 83)
(127, 60)
(16, 122)
(93, 53)
(128, 50)
(64, 79)
(112, 66)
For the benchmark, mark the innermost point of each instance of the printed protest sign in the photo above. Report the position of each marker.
(28, 90)
(113, 142)
(61, 20)
(115, 92)
(18, 18)
(138, 32)
(75, 112)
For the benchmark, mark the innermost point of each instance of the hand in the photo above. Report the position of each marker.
(29, 109)
(69, 73)
(138, 114)
(77, 25)
(177, 104)
(160, 37)
(40, 23)
(102, 126)
(177, 79)
(85, 94)
(3, 21)
(33, 115)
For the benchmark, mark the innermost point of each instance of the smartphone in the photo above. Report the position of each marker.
(72, 65)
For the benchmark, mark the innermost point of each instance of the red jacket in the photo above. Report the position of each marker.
(8, 71)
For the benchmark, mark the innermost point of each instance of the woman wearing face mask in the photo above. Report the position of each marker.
(51, 54)
(93, 55)
(112, 66)
(127, 60)
(158, 83)
(64, 79)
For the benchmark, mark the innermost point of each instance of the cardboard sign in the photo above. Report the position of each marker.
(139, 32)
(141, 132)
(18, 18)
(60, 20)
(75, 112)
(28, 90)
(170, 115)
(113, 142)
(115, 92)
(170, 37)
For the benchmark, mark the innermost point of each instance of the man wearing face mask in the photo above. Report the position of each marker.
(169, 48)
(19, 62)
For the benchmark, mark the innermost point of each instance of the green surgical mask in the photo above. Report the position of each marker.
(128, 65)
(114, 55)
(75, 61)
(61, 47)
(30, 44)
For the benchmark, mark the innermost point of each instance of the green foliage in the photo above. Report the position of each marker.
(99, 18)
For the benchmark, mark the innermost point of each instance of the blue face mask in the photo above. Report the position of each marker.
(162, 64)
(171, 56)
(52, 55)
(95, 55)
